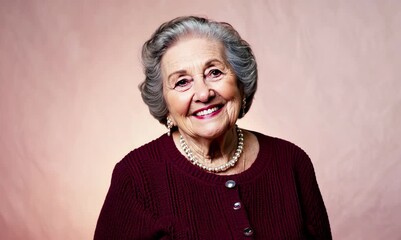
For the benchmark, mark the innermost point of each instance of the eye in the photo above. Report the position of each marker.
(214, 74)
(182, 84)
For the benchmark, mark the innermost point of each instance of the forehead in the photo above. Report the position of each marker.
(191, 53)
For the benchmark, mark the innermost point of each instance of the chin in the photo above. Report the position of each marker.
(211, 132)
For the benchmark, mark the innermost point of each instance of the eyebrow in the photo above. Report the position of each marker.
(183, 71)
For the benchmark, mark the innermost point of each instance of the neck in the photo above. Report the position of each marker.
(213, 150)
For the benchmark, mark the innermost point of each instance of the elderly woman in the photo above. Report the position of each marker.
(207, 178)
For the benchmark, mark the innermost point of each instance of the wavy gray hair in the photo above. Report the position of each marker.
(238, 53)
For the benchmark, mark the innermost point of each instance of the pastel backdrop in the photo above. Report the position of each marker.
(330, 81)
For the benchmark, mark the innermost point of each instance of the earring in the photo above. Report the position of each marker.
(170, 125)
(243, 106)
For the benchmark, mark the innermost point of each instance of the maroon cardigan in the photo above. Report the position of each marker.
(156, 193)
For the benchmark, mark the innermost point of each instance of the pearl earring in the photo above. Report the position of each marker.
(170, 125)
(243, 106)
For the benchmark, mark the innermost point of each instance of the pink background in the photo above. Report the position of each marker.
(330, 81)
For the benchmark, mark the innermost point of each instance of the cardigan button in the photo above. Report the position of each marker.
(237, 206)
(230, 184)
(248, 232)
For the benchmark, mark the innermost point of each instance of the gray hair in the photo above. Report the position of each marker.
(238, 53)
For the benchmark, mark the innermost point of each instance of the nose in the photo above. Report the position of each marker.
(202, 92)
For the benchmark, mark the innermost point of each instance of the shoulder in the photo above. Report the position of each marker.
(278, 143)
(139, 165)
(148, 155)
(150, 150)
(282, 149)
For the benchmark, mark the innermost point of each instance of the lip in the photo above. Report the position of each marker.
(219, 106)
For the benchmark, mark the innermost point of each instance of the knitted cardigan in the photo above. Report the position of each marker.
(156, 193)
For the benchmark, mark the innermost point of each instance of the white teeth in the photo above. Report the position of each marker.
(208, 111)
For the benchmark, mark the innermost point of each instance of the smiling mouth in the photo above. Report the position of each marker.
(207, 111)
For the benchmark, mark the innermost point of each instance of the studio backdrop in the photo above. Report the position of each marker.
(70, 109)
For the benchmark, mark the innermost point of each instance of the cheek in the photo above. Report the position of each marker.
(229, 88)
(235, 104)
(233, 98)
(230, 92)
(177, 103)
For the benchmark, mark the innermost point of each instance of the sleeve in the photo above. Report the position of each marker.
(314, 211)
(123, 215)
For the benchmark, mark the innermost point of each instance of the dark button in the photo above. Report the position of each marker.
(237, 205)
(248, 231)
(230, 184)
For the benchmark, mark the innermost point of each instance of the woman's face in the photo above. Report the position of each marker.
(200, 88)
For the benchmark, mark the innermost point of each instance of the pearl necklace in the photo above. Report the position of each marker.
(223, 167)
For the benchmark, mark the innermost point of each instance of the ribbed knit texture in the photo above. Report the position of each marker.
(156, 193)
